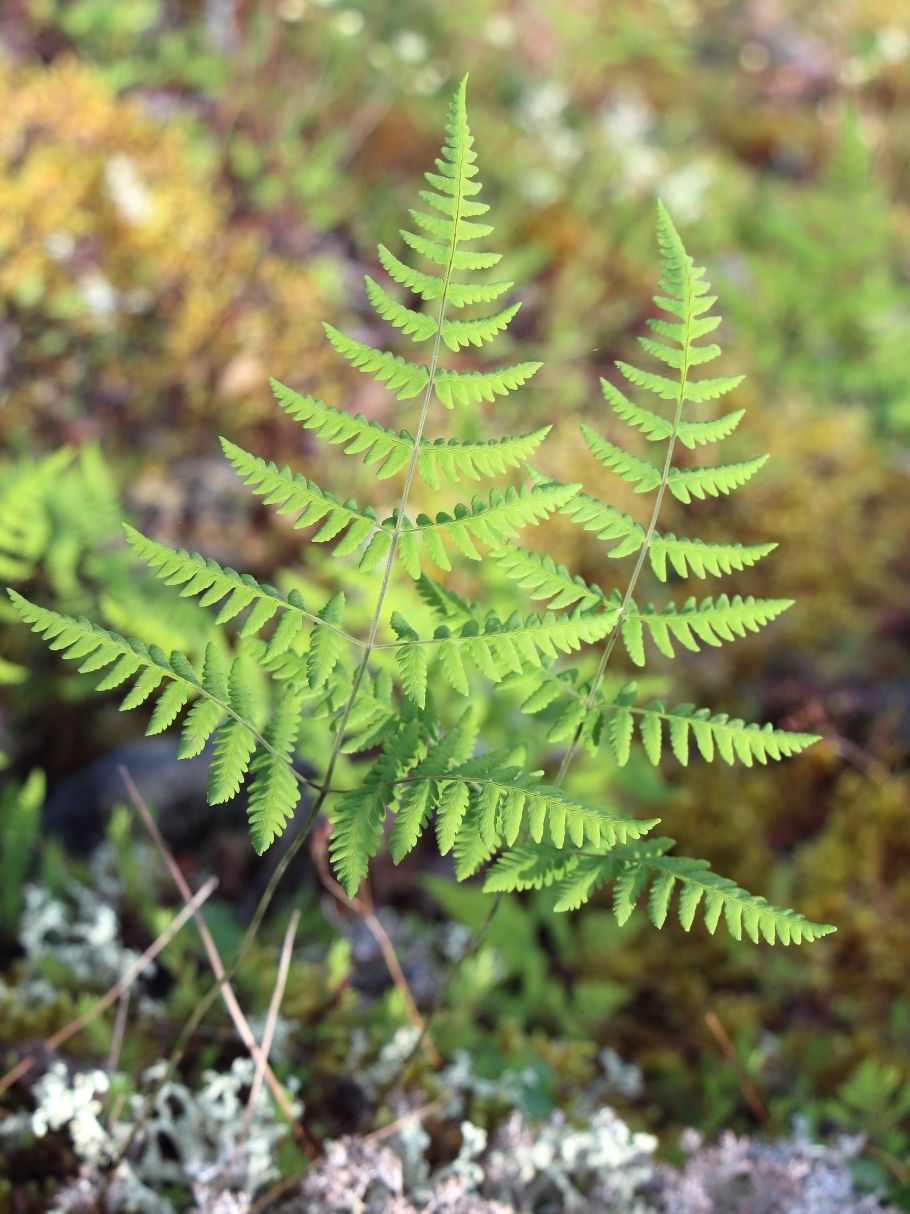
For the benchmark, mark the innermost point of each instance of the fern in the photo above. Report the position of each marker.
(372, 688)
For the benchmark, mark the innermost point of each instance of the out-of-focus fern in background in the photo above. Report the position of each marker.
(187, 189)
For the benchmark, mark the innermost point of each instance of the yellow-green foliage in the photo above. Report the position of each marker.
(126, 286)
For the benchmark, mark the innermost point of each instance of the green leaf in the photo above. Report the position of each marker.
(415, 325)
(403, 378)
(326, 643)
(637, 472)
(711, 622)
(472, 387)
(292, 492)
(452, 805)
(696, 482)
(358, 815)
(427, 286)
(458, 333)
(274, 790)
(546, 579)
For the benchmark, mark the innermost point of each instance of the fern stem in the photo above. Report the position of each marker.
(472, 946)
(630, 589)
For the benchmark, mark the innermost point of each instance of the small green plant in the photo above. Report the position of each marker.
(376, 691)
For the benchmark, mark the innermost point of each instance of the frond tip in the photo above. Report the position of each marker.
(631, 868)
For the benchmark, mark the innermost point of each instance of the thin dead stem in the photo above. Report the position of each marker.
(227, 991)
(284, 965)
(746, 1086)
(382, 938)
(75, 1026)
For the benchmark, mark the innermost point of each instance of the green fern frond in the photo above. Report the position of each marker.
(700, 558)
(292, 492)
(685, 556)
(458, 333)
(403, 378)
(273, 790)
(464, 294)
(654, 427)
(529, 867)
(198, 575)
(473, 845)
(206, 713)
(447, 604)
(518, 798)
(427, 286)
(634, 867)
(733, 739)
(687, 483)
(358, 816)
(546, 579)
(416, 325)
(683, 483)
(711, 621)
(630, 468)
(514, 645)
(25, 521)
(417, 797)
(326, 642)
(472, 387)
(475, 459)
(490, 522)
(451, 456)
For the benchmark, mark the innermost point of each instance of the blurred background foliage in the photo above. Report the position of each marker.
(188, 187)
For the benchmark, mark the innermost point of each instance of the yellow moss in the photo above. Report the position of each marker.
(132, 291)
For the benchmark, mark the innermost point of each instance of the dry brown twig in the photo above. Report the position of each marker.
(230, 999)
(268, 1035)
(746, 1086)
(113, 1057)
(75, 1026)
(319, 848)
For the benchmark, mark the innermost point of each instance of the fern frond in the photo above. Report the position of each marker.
(416, 325)
(417, 797)
(291, 491)
(683, 483)
(464, 294)
(544, 578)
(654, 427)
(630, 468)
(446, 604)
(633, 867)
(198, 575)
(273, 789)
(403, 378)
(711, 621)
(473, 846)
(467, 387)
(492, 523)
(25, 522)
(701, 558)
(152, 669)
(427, 286)
(521, 798)
(458, 333)
(733, 739)
(529, 867)
(326, 642)
(513, 645)
(685, 556)
(358, 816)
(475, 459)
(686, 483)
(206, 714)
(451, 456)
